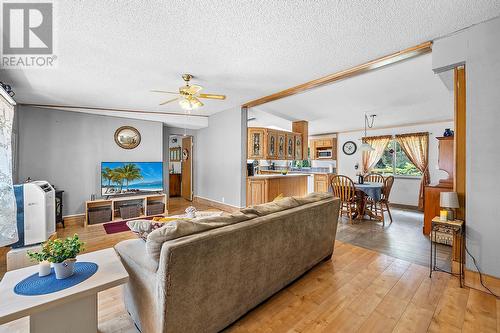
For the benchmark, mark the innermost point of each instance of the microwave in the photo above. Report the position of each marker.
(325, 153)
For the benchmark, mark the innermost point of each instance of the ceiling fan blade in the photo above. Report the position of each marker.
(192, 89)
(169, 101)
(164, 92)
(200, 104)
(212, 96)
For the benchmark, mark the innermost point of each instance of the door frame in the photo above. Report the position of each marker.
(190, 158)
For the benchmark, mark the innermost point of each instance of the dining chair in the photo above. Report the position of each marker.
(373, 177)
(343, 187)
(383, 205)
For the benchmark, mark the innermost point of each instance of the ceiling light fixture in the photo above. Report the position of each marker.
(189, 103)
(366, 146)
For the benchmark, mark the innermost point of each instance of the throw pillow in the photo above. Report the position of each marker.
(142, 228)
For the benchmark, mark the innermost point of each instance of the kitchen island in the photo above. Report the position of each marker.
(264, 188)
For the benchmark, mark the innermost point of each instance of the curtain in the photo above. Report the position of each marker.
(8, 224)
(370, 158)
(416, 147)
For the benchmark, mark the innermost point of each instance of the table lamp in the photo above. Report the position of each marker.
(449, 200)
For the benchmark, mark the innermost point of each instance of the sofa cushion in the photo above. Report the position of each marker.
(313, 197)
(181, 228)
(142, 228)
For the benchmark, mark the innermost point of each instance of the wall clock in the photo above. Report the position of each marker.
(349, 147)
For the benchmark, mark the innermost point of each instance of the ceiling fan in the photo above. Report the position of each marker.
(188, 95)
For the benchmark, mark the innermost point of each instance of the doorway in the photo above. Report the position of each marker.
(180, 167)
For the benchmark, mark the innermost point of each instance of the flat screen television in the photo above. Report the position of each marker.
(131, 177)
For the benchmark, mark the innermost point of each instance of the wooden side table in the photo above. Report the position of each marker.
(70, 310)
(457, 229)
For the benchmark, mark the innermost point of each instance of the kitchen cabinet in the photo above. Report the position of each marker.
(271, 145)
(256, 143)
(290, 146)
(281, 146)
(319, 144)
(256, 191)
(298, 147)
(265, 188)
(321, 183)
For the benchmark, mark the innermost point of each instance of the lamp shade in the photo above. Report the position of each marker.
(449, 200)
(366, 147)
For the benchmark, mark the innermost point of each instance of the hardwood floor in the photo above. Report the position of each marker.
(401, 239)
(358, 290)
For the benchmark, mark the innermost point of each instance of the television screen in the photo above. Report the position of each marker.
(131, 177)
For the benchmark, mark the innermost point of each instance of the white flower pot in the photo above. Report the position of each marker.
(43, 268)
(64, 269)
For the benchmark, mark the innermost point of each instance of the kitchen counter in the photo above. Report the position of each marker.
(304, 171)
(279, 175)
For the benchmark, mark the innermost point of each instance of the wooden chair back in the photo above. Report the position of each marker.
(386, 191)
(374, 178)
(343, 187)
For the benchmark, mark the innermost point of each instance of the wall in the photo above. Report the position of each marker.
(66, 149)
(222, 148)
(479, 49)
(405, 190)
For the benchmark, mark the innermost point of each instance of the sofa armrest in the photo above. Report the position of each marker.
(134, 250)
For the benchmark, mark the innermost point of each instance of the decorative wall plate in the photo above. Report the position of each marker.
(127, 137)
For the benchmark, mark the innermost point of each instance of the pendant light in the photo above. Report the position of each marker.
(365, 146)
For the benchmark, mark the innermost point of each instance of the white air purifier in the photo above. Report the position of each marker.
(36, 216)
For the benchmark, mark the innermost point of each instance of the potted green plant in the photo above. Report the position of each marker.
(61, 253)
(41, 259)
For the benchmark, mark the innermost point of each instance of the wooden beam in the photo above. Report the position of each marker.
(459, 154)
(363, 68)
(460, 146)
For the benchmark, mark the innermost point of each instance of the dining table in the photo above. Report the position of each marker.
(363, 192)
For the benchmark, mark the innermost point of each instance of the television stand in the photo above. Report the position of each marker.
(148, 206)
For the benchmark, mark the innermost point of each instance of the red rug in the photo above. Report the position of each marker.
(121, 226)
(115, 227)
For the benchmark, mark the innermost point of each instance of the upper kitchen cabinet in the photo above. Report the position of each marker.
(290, 146)
(324, 148)
(281, 146)
(298, 146)
(256, 144)
(271, 145)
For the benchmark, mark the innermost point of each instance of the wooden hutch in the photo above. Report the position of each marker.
(432, 192)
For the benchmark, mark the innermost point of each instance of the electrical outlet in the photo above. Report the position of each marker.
(223, 200)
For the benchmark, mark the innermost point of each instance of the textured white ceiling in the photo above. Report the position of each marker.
(404, 93)
(111, 53)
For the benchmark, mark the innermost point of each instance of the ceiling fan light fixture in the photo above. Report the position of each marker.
(189, 103)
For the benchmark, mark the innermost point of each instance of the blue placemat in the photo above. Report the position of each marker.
(34, 285)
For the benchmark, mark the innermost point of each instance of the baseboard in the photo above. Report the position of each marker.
(216, 204)
(472, 281)
(77, 219)
(402, 206)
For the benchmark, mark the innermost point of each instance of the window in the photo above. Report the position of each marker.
(395, 162)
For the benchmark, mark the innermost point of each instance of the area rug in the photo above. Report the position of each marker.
(115, 227)
(121, 226)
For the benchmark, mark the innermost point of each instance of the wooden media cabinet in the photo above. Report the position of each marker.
(114, 204)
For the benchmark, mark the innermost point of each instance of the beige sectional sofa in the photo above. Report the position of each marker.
(205, 281)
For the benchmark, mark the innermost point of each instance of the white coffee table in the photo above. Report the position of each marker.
(70, 310)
